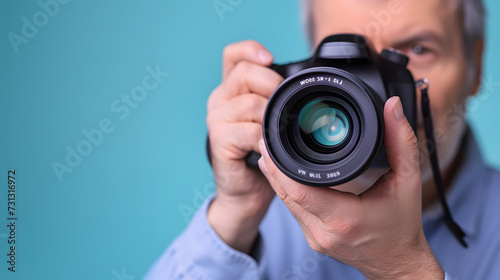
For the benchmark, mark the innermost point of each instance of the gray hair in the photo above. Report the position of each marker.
(473, 26)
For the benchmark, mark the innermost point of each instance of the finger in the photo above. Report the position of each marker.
(307, 221)
(400, 141)
(233, 141)
(243, 108)
(247, 77)
(324, 203)
(249, 50)
(403, 156)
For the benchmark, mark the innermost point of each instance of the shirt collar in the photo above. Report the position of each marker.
(467, 190)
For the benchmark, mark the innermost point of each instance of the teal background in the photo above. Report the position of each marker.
(117, 211)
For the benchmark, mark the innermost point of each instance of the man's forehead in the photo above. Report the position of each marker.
(384, 19)
(364, 6)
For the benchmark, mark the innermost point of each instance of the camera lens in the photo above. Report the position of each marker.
(323, 126)
(324, 123)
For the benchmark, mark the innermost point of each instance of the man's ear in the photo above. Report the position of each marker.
(478, 67)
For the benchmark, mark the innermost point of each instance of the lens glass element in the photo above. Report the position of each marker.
(324, 122)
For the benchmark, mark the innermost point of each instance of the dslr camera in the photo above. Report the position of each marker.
(324, 125)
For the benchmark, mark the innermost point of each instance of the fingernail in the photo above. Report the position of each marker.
(265, 56)
(262, 165)
(399, 115)
(262, 148)
(262, 159)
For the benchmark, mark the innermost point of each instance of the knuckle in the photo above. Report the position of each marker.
(210, 102)
(211, 98)
(214, 96)
(228, 50)
(210, 120)
(241, 68)
(299, 196)
(340, 226)
(250, 45)
(323, 242)
(411, 137)
(413, 156)
(247, 46)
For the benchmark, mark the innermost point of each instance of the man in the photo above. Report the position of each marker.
(394, 230)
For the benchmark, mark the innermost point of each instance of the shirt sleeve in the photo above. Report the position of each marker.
(198, 253)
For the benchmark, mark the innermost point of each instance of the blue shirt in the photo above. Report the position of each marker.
(282, 251)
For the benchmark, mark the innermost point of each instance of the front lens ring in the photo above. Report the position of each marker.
(364, 99)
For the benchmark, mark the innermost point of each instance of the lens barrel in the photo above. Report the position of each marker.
(323, 126)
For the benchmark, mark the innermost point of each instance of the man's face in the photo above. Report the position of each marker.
(429, 32)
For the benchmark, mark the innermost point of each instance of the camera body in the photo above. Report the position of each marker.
(324, 125)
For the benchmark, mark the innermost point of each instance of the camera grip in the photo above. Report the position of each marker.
(252, 159)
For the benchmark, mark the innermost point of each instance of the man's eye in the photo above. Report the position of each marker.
(418, 49)
(420, 54)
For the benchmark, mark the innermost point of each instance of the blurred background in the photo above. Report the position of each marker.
(102, 109)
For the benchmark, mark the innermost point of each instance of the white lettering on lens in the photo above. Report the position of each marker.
(307, 81)
(315, 175)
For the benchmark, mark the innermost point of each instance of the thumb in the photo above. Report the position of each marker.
(400, 141)
(403, 156)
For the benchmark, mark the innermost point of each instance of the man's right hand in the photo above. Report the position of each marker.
(235, 111)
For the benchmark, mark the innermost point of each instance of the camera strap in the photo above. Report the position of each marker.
(423, 85)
